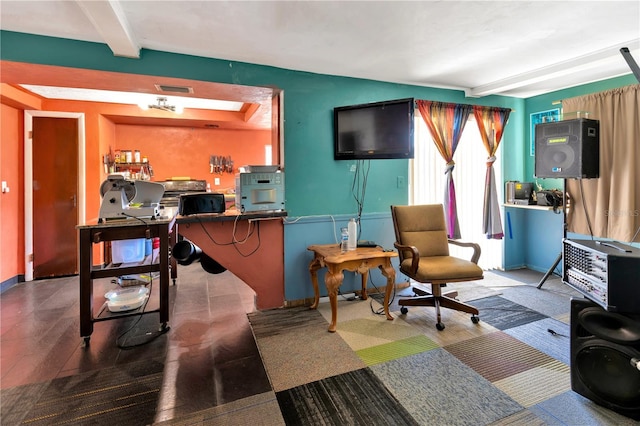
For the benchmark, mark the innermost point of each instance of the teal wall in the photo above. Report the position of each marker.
(318, 190)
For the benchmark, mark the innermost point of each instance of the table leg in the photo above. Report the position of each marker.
(164, 276)
(173, 239)
(388, 271)
(365, 278)
(332, 281)
(313, 270)
(86, 286)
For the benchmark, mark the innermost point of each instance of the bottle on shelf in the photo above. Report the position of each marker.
(344, 239)
(352, 241)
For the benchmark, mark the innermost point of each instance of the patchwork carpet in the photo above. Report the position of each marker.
(506, 370)
(118, 396)
(356, 397)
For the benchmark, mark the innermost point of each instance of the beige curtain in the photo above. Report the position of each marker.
(609, 207)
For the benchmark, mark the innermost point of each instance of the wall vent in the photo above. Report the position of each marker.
(173, 89)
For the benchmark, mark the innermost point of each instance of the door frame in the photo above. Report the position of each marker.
(28, 178)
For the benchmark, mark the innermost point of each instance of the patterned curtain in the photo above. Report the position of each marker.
(491, 122)
(446, 122)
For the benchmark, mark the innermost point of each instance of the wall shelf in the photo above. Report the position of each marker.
(532, 207)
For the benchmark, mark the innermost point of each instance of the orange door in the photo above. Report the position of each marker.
(55, 195)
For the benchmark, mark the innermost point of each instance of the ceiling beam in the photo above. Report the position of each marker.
(552, 71)
(109, 20)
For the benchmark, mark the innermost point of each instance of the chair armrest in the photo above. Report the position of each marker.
(476, 249)
(415, 255)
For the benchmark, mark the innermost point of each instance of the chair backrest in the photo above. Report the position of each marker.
(422, 226)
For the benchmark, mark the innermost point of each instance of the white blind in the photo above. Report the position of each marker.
(427, 184)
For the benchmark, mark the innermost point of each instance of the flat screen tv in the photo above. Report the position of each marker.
(378, 130)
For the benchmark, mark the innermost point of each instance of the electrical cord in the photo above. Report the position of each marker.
(554, 333)
(359, 188)
(251, 230)
(137, 321)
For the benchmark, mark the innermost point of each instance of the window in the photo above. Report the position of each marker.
(427, 183)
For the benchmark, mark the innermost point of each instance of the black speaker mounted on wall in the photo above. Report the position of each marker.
(605, 352)
(568, 149)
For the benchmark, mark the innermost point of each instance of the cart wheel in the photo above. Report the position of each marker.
(404, 310)
(440, 326)
(475, 319)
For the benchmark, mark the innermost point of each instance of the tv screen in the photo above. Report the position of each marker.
(379, 130)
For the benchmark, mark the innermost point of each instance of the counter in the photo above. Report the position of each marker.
(250, 245)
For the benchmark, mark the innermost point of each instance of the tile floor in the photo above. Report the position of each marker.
(40, 339)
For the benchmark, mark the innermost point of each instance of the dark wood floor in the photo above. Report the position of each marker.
(210, 344)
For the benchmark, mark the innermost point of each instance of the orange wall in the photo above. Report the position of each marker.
(185, 151)
(172, 151)
(12, 203)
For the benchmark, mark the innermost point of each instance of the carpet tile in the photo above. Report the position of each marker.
(438, 389)
(537, 384)
(524, 417)
(502, 313)
(291, 356)
(397, 349)
(536, 334)
(572, 409)
(354, 398)
(458, 325)
(498, 355)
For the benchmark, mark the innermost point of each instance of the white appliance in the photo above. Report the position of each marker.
(260, 188)
(123, 198)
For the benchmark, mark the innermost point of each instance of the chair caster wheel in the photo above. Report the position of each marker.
(404, 310)
(440, 326)
(475, 319)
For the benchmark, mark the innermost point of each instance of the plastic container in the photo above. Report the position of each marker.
(352, 241)
(344, 239)
(127, 251)
(126, 299)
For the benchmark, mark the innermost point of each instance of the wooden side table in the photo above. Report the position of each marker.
(360, 260)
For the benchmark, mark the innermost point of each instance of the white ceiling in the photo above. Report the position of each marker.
(511, 48)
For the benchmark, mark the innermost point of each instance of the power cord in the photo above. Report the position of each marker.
(554, 333)
(139, 317)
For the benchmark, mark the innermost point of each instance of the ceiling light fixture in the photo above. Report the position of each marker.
(163, 105)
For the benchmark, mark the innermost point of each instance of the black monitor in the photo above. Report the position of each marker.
(379, 130)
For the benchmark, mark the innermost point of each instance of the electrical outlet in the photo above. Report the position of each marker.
(401, 182)
(216, 181)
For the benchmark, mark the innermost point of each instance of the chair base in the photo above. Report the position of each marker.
(439, 300)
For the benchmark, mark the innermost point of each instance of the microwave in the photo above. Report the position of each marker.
(257, 192)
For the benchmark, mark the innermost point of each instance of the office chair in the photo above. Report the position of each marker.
(423, 248)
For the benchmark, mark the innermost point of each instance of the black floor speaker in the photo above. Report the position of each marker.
(605, 355)
(568, 149)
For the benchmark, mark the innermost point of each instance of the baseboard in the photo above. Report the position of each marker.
(325, 299)
(7, 284)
